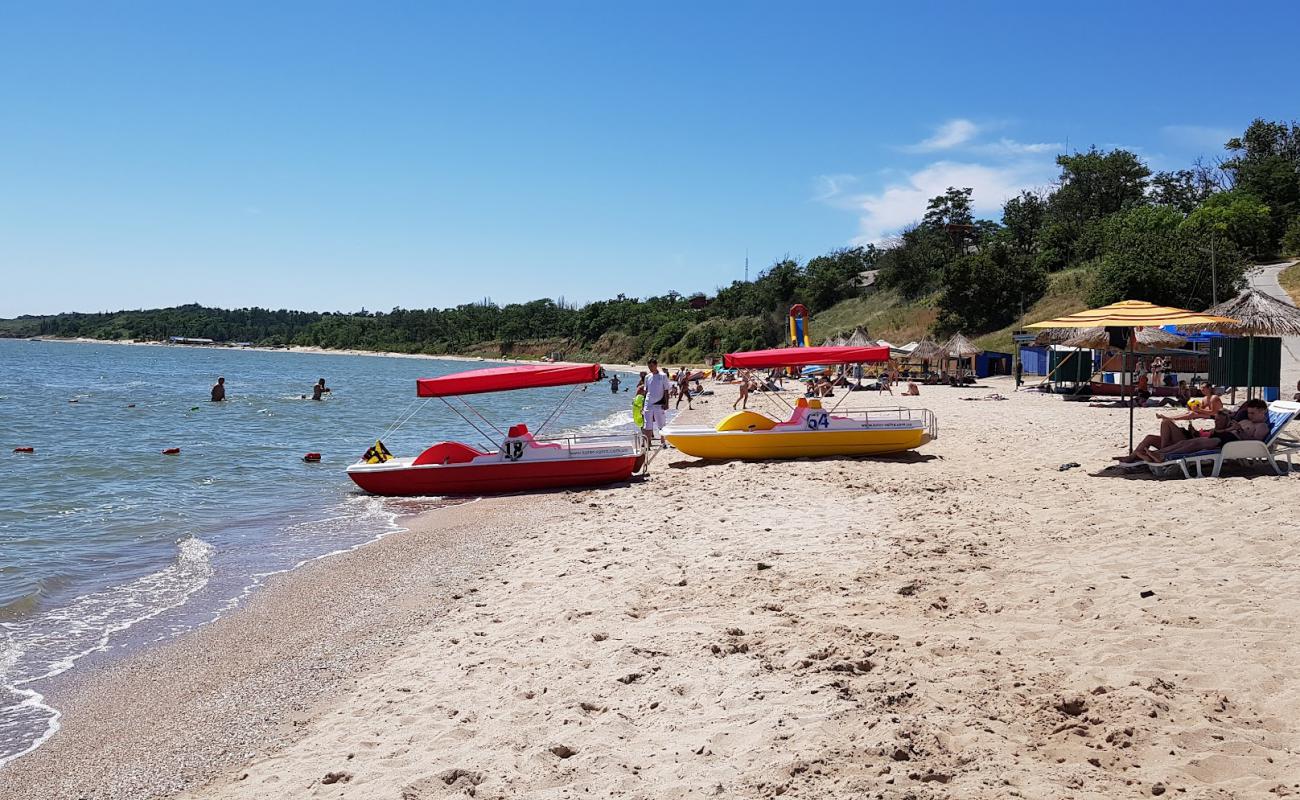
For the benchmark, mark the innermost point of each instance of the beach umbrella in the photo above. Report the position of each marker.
(1255, 314)
(859, 338)
(959, 347)
(927, 350)
(1128, 316)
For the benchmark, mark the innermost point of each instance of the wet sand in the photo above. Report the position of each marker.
(965, 621)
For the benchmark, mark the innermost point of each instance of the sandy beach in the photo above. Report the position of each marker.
(968, 621)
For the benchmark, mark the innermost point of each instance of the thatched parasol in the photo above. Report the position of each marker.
(834, 341)
(1255, 314)
(859, 338)
(927, 350)
(961, 347)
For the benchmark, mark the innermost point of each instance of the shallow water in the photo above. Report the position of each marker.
(106, 544)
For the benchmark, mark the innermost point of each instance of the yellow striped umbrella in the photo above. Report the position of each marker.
(1134, 314)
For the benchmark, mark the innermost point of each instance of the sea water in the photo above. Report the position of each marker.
(106, 544)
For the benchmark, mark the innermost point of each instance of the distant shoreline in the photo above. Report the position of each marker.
(608, 365)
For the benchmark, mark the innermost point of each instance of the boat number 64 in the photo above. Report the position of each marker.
(513, 451)
(817, 420)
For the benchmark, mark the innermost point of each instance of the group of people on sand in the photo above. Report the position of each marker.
(1248, 423)
(318, 391)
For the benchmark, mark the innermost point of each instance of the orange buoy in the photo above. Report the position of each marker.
(311, 457)
(172, 451)
(24, 449)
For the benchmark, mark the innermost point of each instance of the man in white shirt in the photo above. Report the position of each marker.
(656, 400)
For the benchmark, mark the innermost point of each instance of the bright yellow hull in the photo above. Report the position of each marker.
(707, 443)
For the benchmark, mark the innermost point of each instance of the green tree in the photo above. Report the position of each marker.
(953, 207)
(1182, 189)
(986, 290)
(831, 278)
(914, 262)
(1023, 217)
(1093, 186)
(1148, 255)
(1235, 217)
(1291, 239)
(1265, 161)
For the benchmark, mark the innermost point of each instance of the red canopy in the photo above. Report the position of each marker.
(502, 379)
(801, 356)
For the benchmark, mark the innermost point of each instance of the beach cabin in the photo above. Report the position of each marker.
(991, 362)
(1035, 359)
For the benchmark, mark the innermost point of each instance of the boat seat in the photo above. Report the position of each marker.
(746, 421)
(520, 433)
(801, 408)
(448, 453)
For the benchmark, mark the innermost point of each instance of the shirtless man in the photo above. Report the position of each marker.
(219, 390)
(1254, 427)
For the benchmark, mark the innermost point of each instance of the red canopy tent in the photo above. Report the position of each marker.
(504, 379)
(803, 356)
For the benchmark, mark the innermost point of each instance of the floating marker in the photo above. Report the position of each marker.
(172, 451)
(24, 449)
(311, 457)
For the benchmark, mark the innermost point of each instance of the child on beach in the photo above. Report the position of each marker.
(743, 399)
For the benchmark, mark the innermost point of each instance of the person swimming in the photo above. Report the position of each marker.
(319, 389)
(219, 390)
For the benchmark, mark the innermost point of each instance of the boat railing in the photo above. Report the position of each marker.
(924, 416)
(572, 441)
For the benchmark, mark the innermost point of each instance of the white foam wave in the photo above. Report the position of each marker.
(50, 643)
(619, 419)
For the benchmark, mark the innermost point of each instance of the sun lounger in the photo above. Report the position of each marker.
(1280, 414)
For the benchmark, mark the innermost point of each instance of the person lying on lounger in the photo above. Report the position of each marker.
(1172, 433)
(1254, 428)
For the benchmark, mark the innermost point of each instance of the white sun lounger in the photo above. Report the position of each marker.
(1280, 414)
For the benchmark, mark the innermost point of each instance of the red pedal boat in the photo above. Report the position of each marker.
(522, 462)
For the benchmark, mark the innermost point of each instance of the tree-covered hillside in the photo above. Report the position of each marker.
(1182, 237)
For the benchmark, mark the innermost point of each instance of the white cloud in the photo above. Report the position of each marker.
(899, 204)
(1010, 147)
(996, 170)
(831, 188)
(950, 134)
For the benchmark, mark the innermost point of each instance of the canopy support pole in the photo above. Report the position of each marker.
(486, 421)
(470, 422)
(558, 406)
(1127, 353)
(1250, 368)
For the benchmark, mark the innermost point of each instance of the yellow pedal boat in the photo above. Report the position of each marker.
(810, 431)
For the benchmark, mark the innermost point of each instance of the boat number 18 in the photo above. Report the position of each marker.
(513, 451)
(817, 420)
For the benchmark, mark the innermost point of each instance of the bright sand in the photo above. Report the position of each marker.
(964, 622)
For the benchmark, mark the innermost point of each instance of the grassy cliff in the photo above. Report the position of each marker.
(888, 316)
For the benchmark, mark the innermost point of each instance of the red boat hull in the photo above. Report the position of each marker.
(496, 478)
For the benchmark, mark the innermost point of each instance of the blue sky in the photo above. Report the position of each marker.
(339, 155)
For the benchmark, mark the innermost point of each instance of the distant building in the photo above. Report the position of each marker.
(188, 340)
